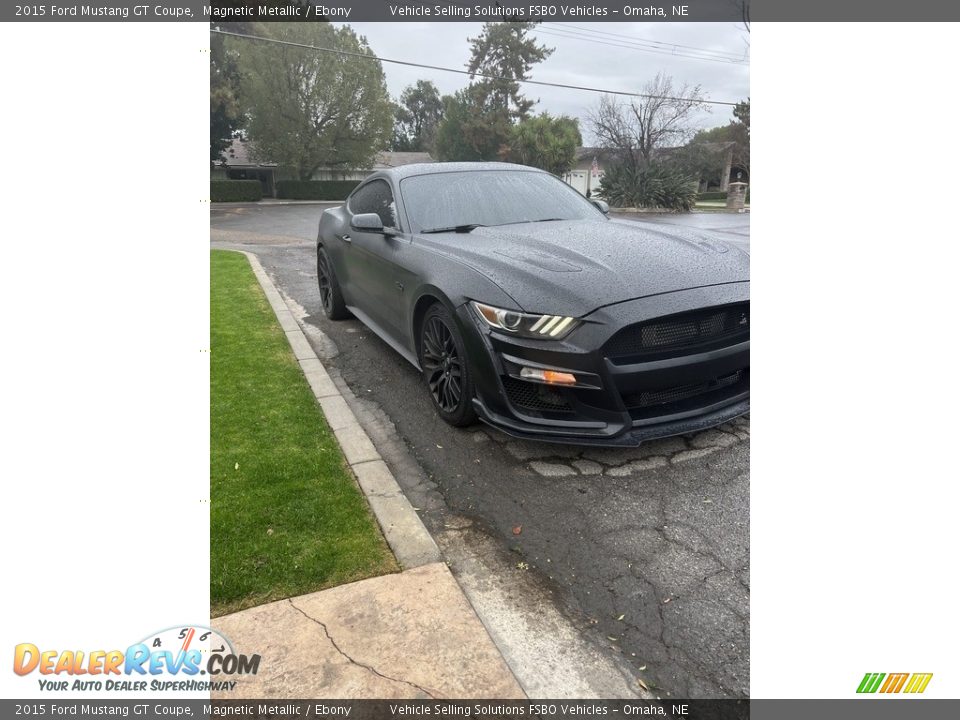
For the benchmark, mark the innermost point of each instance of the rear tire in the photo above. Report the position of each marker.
(331, 299)
(446, 372)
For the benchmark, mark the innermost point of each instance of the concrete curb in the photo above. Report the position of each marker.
(403, 529)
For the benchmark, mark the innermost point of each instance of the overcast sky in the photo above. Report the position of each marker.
(589, 59)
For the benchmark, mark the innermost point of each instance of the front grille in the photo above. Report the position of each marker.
(685, 331)
(667, 396)
(534, 396)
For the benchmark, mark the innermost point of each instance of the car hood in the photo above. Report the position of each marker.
(574, 267)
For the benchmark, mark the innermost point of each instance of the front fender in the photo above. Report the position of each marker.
(469, 285)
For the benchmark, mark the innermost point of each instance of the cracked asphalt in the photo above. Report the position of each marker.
(646, 548)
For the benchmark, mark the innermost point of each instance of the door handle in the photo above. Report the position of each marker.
(346, 238)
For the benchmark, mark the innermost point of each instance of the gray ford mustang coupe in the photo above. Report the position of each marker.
(523, 304)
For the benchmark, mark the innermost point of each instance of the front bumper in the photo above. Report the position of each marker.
(616, 403)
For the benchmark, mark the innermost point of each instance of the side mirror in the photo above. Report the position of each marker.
(366, 222)
(601, 206)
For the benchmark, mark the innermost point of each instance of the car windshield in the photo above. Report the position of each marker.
(490, 197)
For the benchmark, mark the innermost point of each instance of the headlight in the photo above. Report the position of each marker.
(549, 327)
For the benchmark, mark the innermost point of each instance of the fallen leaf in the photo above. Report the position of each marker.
(517, 529)
(621, 617)
(642, 684)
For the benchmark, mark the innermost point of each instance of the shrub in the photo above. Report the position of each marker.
(235, 190)
(652, 186)
(315, 189)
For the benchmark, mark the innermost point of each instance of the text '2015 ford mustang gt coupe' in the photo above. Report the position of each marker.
(522, 303)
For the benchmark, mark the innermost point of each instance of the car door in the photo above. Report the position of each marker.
(373, 258)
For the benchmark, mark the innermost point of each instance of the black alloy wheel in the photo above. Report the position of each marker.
(330, 298)
(445, 368)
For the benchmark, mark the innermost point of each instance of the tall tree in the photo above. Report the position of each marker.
(703, 159)
(706, 154)
(742, 112)
(487, 109)
(662, 118)
(549, 143)
(308, 109)
(457, 133)
(417, 116)
(740, 134)
(226, 114)
(505, 51)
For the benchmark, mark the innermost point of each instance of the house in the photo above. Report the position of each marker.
(591, 163)
(383, 160)
(238, 165)
(588, 168)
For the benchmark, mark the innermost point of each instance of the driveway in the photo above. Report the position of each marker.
(648, 548)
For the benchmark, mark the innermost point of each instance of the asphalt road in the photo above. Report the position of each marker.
(648, 547)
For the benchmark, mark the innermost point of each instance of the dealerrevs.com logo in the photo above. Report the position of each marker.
(181, 659)
(910, 683)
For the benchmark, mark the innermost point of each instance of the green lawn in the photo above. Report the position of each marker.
(715, 206)
(286, 515)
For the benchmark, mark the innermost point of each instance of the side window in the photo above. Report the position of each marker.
(375, 197)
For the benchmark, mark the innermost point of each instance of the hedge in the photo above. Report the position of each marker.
(717, 195)
(315, 189)
(235, 190)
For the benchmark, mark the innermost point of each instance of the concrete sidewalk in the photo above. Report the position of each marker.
(409, 635)
(413, 634)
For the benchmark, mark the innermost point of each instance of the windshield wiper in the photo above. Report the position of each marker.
(526, 222)
(454, 228)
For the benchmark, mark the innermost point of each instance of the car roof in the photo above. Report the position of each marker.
(405, 171)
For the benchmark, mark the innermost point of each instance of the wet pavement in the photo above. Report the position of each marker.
(648, 548)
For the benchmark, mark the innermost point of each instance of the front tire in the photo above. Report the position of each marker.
(331, 299)
(446, 372)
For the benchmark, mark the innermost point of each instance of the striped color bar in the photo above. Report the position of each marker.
(894, 682)
(870, 682)
(918, 683)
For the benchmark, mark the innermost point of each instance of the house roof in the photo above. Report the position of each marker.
(433, 168)
(601, 154)
(398, 159)
(588, 153)
(237, 154)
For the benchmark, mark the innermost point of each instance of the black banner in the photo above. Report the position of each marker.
(486, 10)
(430, 709)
